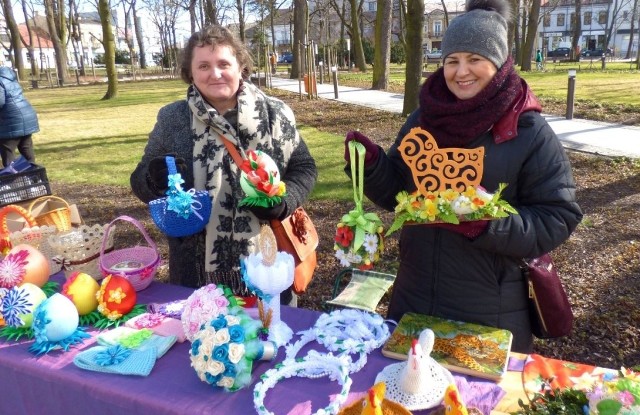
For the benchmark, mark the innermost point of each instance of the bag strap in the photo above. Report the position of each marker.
(237, 158)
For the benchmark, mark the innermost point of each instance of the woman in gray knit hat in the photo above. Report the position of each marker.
(221, 103)
(471, 271)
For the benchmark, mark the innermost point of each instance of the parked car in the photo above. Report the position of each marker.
(286, 57)
(434, 54)
(559, 53)
(594, 52)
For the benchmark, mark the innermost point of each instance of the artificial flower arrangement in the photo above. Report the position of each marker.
(224, 349)
(450, 206)
(359, 236)
(204, 304)
(605, 394)
(260, 180)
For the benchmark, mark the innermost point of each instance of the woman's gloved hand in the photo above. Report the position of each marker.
(157, 172)
(274, 212)
(471, 229)
(371, 155)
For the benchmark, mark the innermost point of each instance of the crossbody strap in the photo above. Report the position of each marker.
(235, 155)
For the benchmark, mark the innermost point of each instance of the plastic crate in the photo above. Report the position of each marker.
(26, 185)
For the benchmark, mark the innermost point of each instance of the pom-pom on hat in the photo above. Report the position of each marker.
(481, 30)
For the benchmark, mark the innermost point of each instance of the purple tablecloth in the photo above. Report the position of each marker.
(52, 384)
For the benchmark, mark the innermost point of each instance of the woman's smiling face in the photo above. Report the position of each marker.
(466, 74)
(217, 74)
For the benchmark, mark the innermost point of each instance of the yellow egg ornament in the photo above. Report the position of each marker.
(81, 289)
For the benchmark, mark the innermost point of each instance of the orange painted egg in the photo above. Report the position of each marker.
(24, 263)
(116, 297)
(81, 289)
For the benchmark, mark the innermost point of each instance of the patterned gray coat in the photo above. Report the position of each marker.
(173, 134)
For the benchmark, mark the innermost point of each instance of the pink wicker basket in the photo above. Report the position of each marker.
(137, 264)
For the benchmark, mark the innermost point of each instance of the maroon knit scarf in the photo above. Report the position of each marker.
(454, 122)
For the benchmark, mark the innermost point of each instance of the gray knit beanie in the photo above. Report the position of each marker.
(482, 30)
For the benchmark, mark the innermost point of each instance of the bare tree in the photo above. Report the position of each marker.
(16, 43)
(109, 44)
(56, 23)
(413, 72)
(532, 25)
(634, 15)
(300, 21)
(35, 70)
(382, 52)
(351, 22)
(577, 30)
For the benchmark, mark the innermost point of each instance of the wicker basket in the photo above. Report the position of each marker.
(388, 408)
(79, 250)
(5, 241)
(138, 264)
(60, 217)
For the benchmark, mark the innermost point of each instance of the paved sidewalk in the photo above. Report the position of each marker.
(581, 135)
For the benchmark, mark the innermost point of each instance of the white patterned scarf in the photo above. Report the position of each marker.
(263, 123)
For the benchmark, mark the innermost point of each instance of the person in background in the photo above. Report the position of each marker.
(539, 59)
(471, 271)
(273, 58)
(18, 119)
(221, 102)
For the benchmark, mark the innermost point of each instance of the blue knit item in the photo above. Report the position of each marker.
(123, 361)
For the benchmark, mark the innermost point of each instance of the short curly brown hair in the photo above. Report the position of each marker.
(214, 36)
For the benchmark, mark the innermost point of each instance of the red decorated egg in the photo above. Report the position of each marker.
(116, 297)
(24, 263)
(81, 289)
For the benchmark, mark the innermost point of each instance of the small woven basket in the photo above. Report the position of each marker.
(79, 249)
(5, 241)
(59, 217)
(138, 264)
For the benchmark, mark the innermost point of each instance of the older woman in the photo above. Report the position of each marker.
(471, 272)
(220, 102)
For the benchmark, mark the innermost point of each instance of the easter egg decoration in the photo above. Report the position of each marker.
(16, 308)
(116, 301)
(55, 325)
(24, 263)
(260, 180)
(81, 289)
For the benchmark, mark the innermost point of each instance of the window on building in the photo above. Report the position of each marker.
(625, 15)
(586, 19)
(572, 21)
(602, 17)
(372, 6)
(560, 20)
(437, 28)
(546, 20)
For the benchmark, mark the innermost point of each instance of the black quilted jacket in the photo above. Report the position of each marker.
(444, 273)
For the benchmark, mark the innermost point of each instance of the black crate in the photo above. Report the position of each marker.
(26, 185)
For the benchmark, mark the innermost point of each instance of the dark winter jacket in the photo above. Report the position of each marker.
(17, 116)
(172, 134)
(444, 273)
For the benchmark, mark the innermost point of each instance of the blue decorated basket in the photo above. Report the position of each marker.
(180, 213)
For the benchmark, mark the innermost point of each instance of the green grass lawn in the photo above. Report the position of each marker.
(83, 139)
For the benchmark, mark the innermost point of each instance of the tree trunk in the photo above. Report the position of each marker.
(576, 32)
(16, 42)
(109, 44)
(60, 52)
(356, 37)
(35, 71)
(299, 32)
(240, 10)
(532, 25)
(383, 46)
(138, 29)
(415, 18)
(634, 14)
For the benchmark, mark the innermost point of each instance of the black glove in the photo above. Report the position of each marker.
(371, 149)
(157, 172)
(274, 212)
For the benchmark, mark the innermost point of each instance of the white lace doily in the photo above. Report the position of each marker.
(439, 379)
